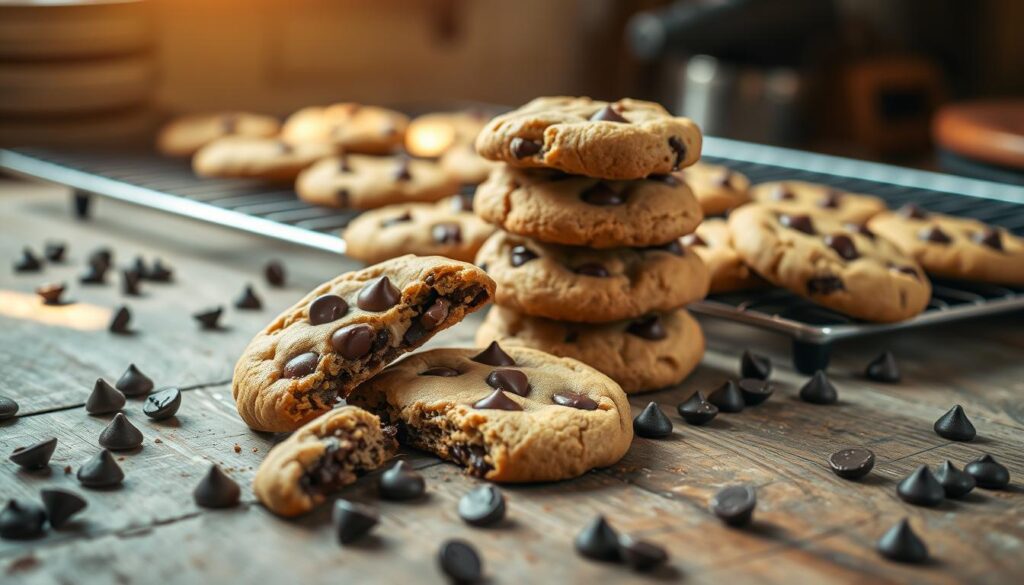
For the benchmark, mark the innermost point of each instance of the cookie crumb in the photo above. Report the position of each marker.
(255, 450)
(157, 440)
(238, 448)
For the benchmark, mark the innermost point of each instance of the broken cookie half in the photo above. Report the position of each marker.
(323, 456)
(347, 330)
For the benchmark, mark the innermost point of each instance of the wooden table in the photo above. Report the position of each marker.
(810, 525)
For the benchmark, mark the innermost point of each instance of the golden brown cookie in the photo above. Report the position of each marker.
(713, 243)
(185, 135)
(505, 414)
(815, 199)
(369, 182)
(432, 135)
(718, 189)
(463, 164)
(345, 331)
(256, 158)
(324, 455)
(348, 127)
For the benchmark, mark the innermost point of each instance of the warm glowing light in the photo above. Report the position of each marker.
(429, 138)
(29, 307)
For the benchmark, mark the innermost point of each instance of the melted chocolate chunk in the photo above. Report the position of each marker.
(592, 269)
(824, 285)
(800, 223)
(472, 457)
(497, 400)
(441, 371)
(378, 295)
(435, 314)
(649, 328)
(513, 381)
(446, 233)
(521, 255)
(301, 365)
(574, 400)
(608, 114)
(602, 194)
(935, 235)
(677, 146)
(843, 245)
(327, 308)
(522, 148)
(494, 356)
(353, 341)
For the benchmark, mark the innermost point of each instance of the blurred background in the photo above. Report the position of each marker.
(919, 82)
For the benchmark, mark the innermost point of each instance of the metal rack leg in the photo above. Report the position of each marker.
(82, 203)
(810, 357)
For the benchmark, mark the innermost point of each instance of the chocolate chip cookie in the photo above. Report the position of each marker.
(580, 211)
(368, 182)
(324, 455)
(591, 286)
(844, 268)
(713, 243)
(431, 135)
(348, 127)
(954, 247)
(510, 414)
(647, 353)
(627, 139)
(447, 228)
(463, 164)
(718, 189)
(256, 158)
(185, 135)
(347, 330)
(814, 199)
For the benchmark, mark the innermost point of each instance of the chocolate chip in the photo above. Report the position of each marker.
(679, 148)
(435, 314)
(754, 365)
(955, 426)
(755, 391)
(652, 423)
(843, 245)
(28, 262)
(162, 404)
(248, 300)
(353, 341)
(956, 483)
(988, 473)
(404, 218)
(521, 255)
(140, 268)
(883, 369)
(460, 561)
(133, 382)
(301, 365)
(598, 541)
(991, 238)
(735, 504)
(104, 398)
(921, 488)
(101, 471)
(691, 240)
(592, 269)
(819, 390)
(378, 295)
(494, 356)
(401, 482)
(831, 199)
(522, 148)
(800, 223)
(483, 506)
(912, 211)
(602, 194)
(274, 273)
(900, 544)
(824, 285)
(608, 114)
(327, 308)
(574, 400)
(441, 371)
(102, 258)
(8, 408)
(696, 410)
(35, 456)
(649, 327)
(641, 555)
(513, 381)
(160, 272)
(130, 280)
(120, 434)
(208, 319)
(352, 520)
(61, 505)
(728, 397)
(22, 520)
(216, 490)
(497, 400)
(852, 463)
(935, 235)
(94, 274)
(119, 323)
(50, 293)
(54, 251)
(446, 233)
(402, 171)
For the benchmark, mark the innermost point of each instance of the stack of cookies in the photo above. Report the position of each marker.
(588, 264)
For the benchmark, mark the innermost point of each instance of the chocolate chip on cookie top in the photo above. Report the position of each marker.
(718, 189)
(799, 197)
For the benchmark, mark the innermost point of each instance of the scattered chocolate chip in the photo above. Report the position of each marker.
(755, 391)
(353, 341)
(608, 114)
(54, 251)
(130, 280)
(301, 365)
(900, 544)
(602, 194)
(61, 505)
(819, 390)
(521, 255)
(435, 314)
(119, 323)
(522, 148)
(94, 274)
(101, 471)
(494, 356)
(824, 285)
(248, 300)
(497, 400)
(598, 541)
(935, 235)
(378, 295)
(139, 267)
(728, 397)
(22, 520)
(991, 238)
(852, 463)
(691, 240)
(460, 562)
(574, 400)
(160, 272)
(956, 483)
(440, 371)
(8, 408)
(679, 149)
(513, 381)
(921, 488)
(327, 308)
(104, 398)
(402, 171)
(28, 262)
(735, 504)
(883, 369)
(955, 426)
(641, 555)
(162, 404)
(209, 318)
(401, 482)
(592, 269)
(652, 423)
(831, 199)
(133, 382)
(446, 233)
(843, 245)
(800, 223)
(482, 506)
(649, 327)
(274, 273)
(988, 473)
(120, 434)
(352, 520)
(404, 218)
(912, 211)
(216, 490)
(34, 457)
(696, 410)
(102, 258)
(754, 365)
(51, 293)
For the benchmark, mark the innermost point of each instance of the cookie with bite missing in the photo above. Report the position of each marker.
(185, 135)
(717, 188)
(244, 157)
(713, 243)
(348, 127)
(800, 197)
(368, 182)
